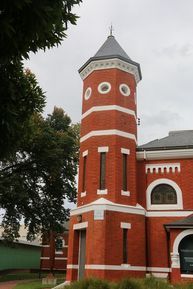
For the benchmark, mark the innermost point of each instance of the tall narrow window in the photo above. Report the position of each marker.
(125, 250)
(124, 172)
(102, 185)
(84, 174)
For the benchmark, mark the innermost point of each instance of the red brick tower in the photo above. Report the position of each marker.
(107, 230)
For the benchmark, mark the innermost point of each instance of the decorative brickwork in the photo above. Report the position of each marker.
(117, 231)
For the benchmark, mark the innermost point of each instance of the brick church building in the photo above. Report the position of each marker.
(134, 215)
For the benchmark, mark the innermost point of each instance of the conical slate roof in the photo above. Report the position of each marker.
(111, 48)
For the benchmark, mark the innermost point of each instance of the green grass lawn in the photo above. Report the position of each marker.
(147, 283)
(18, 276)
(27, 276)
(36, 284)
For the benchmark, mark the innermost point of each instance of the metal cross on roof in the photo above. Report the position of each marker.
(111, 30)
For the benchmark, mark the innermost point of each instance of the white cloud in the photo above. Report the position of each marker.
(155, 33)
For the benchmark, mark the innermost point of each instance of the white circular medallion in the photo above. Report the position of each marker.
(124, 89)
(104, 87)
(87, 93)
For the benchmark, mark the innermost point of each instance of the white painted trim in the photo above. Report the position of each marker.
(160, 275)
(125, 193)
(114, 267)
(125, 225)
(65, 246)
(187, 276)
(108, 132)
(103, 149)
(108, 64)
(103, 204)
(85, 153)
(164, 167)
(107, 108)
(45, 258)
(59, 252)
(72, 266)
(179, 204)
(46, 246)
(126, 265)
(121, 267)
(169, 214)
(80, 226)
(102, 192)
(165, 154)
(158, 269)
(61, 258)
(125, 151)
(83, 194)
(179, 238)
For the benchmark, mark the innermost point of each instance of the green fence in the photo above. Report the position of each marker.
(19, 257)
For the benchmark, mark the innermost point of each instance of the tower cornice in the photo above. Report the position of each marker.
(108, 63)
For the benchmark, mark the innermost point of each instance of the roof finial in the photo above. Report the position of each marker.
(111, 30)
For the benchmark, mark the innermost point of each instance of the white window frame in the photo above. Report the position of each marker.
(158, 207)
(127, 87)
(100, 87)
(87, 93)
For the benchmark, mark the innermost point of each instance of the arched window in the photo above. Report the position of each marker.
(163, 194)
(186, 255)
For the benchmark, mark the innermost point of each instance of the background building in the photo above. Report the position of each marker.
(21, 255)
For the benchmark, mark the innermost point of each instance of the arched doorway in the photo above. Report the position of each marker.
(186, 254)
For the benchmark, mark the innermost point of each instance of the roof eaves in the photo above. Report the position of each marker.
(164, 148)
(112, 57)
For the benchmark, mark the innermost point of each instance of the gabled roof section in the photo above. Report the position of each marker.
(175, 139)
(183, 223)
(111, 48)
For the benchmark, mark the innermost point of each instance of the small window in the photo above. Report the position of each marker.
(124, 89)
(125, 250)
(163, 194)
(124, 186)
(102, 183)
(87, 93)
(59, 242)
(104, 87)
(84, 174)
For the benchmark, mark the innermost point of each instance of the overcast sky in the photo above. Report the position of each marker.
(156, 33)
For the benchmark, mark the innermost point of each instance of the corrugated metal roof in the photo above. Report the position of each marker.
(175, 139)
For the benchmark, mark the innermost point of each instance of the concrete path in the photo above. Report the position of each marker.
(9, 284)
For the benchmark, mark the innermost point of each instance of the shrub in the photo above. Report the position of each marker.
(89, 284)
(154, 283)
(129, 284)
(184, 286)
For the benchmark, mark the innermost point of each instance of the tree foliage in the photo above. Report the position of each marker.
(29, 25)
(20, 97)
(25, 26)
(36, 181)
